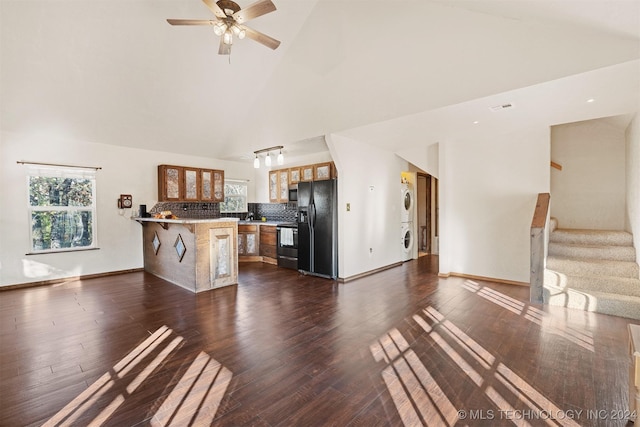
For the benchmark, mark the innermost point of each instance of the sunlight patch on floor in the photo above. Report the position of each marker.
(194, 400)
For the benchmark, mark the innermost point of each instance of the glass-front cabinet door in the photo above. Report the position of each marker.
(284, 186)
(169, 183)
(273, 186)
(307, 173)
(322, 171)
(191, 184)
(218, 186)
(294, 176)
(206, 184)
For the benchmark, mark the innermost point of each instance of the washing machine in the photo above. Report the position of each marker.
(408, 201)
(407, 241)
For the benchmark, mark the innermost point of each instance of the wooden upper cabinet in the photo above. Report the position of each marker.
(294, 176)
(218, 186)
(279, 186)
(306, 173)
(191, 184)
(186, 184)
(322, 171)
(273, 186)
(170, 183)
(206, 184)
(283, 185)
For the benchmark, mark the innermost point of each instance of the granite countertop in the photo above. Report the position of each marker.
(258, 222)
(186, 220)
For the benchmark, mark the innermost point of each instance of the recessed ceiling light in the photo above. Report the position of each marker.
(475, 122)
(590, 100)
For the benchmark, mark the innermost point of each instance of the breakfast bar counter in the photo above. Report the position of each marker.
(196, 254)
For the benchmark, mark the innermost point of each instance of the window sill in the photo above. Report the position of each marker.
(57, 251)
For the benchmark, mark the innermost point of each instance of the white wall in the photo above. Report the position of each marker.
(632, 149)
(589, 191)
(488, 191)
(369, 180)
(124, 170)
(425, 158)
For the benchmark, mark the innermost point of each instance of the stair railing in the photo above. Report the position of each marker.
(539, 245)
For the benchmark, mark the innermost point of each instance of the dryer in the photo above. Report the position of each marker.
(408, 202)
(407, 241)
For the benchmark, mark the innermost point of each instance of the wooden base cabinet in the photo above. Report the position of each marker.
(248, 241)
(268, 244)
(197, 255)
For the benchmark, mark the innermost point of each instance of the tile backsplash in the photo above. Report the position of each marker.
(280, 212)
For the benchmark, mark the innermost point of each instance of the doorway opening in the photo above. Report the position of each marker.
(427, 214)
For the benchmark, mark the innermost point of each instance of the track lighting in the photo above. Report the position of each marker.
(267, 159)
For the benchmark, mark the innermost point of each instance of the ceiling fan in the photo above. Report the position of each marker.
(229, 22)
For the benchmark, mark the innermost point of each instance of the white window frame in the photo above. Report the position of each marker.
(35, 170)
(243, 197)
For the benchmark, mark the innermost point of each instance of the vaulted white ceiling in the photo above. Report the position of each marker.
(114, 71)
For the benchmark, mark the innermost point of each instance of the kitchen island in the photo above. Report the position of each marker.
(196, 254)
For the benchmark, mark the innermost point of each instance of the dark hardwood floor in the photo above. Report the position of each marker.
(401, 347)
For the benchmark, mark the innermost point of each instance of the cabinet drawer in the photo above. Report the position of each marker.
(268, 251)
(246, 228)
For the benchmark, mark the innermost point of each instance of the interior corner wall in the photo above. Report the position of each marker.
(488, 189)
(124, 171)
(632, 152)
(589, 191)
(424, 158)
(369, 233)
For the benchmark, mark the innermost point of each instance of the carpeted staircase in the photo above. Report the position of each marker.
(592, 270)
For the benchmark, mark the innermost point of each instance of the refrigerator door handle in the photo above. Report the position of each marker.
(312, 215)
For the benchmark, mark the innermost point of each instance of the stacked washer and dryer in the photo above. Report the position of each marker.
(407, 226)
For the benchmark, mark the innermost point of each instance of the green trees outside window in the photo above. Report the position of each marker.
(62, 210)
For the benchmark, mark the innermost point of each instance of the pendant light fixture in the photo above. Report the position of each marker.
(267, 159)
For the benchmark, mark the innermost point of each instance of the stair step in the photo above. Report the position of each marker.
(601, 302)
(613, 285)
(594, 267)
(608, 252)
(591, 237)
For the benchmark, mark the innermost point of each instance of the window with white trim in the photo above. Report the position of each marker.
(235, 196)
(62, 208)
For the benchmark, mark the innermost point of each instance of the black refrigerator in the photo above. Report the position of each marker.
(318, 228)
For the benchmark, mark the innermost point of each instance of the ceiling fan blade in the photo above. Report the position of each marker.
(190, 21)
(259, 8)
(224, 49)
(211, 4)
(264, 39)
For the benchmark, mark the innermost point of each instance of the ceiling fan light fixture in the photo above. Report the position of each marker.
(227, 38)
(219, 28)
(238, 32)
